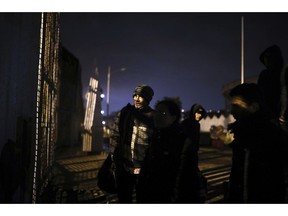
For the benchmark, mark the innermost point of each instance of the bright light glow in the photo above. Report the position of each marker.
(91, 96)
(102, 112)
(103, 122)
(182, 110)
(102, 96)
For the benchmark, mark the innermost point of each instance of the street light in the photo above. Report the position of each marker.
(108, 87)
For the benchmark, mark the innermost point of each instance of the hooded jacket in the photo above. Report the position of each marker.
(192, 126)
(274, 83)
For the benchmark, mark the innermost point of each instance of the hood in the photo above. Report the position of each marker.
(197, 108)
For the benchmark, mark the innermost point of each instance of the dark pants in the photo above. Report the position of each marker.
(126, 184)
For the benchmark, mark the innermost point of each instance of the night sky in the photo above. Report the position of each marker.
(189, 55)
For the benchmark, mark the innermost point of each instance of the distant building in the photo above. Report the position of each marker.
(215, 118)
(71, 104)
(92, 135)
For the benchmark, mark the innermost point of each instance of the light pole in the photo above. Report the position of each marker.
(108, 87)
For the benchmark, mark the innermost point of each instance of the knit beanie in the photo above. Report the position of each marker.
(144, 91)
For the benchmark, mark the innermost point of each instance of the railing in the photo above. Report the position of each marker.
(76, 178)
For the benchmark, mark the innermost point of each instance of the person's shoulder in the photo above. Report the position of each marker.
(127, 107)
(149, 109)
(125, 110)
(180, 130)
(186, 121)
(264, 74)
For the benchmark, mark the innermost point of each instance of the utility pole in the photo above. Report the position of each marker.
(242, 49)
(108, 86)
(108, 90)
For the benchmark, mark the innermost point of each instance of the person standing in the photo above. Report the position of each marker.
(257, 173)
(131, 132)
(169, 167)
(192, 129)
(273, 81)
(192, 125)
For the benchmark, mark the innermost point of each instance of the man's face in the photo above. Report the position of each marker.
(139, 101)
(198, 116)
(239, 108)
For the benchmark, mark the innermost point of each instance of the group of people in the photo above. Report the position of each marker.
(259, 164)
(156, 154)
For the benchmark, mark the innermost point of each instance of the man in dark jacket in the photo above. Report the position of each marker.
(257, 173)
(130, 137)
(169, 172)
(192, 125)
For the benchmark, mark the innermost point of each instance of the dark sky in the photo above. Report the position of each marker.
(190, 55)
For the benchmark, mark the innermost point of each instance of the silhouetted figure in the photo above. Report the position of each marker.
(169, 172)
(257, 173)
(192, 129)
(274, 81)
(130, 135)
(192, 125)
